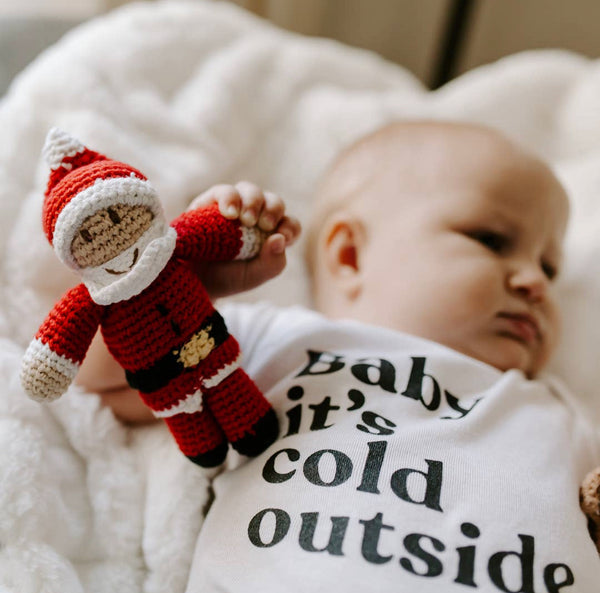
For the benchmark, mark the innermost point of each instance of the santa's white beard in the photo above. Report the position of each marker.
(154, 249)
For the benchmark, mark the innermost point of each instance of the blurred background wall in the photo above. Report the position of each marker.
(435, 39)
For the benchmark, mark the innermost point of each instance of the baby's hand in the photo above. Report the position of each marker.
(253, 207)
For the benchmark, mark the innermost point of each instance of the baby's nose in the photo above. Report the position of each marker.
(529, 281)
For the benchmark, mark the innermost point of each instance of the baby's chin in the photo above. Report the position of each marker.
(515, 357)
(496, 351)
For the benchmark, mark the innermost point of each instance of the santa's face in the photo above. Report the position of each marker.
(120, 249)
(111, 233)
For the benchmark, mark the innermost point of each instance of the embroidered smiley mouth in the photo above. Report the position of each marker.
(118, 273)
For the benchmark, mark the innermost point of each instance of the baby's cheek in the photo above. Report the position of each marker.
(553, 335)
(100, 371)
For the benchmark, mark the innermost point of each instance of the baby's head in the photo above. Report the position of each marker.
(445, 231)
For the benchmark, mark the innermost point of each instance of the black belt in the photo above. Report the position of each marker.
(171, 365)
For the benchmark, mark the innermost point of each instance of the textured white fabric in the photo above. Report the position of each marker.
(194, 94)
(394, 453)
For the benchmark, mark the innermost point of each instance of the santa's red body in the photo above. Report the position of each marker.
(146, 333)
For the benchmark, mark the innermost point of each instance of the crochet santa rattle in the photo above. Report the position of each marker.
(105, 222)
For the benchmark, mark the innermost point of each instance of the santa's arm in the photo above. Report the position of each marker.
(55, 354)
(204, 234)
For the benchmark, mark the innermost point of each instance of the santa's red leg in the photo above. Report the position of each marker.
(199, 437)
(194, 428)
(244, 414)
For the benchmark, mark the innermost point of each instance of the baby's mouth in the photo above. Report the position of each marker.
(521, 327)
(117, 272)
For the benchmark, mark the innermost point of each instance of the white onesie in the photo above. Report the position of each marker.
(402, 466)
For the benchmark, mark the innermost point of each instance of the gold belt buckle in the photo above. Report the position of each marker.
(197, 348)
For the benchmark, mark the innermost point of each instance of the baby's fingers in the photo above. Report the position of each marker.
(272, 213)
(260, 207)
(290, 228)
(225, 196)
(252, 206)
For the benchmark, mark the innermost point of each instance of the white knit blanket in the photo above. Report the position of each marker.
(194, 94)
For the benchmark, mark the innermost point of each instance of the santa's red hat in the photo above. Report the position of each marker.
(82, 182)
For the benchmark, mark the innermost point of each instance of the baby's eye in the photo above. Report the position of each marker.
(549, 270)
(493, 240)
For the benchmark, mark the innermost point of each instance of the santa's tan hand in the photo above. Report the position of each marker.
(42, 382)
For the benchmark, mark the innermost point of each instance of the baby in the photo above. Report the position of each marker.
(445, 232)
(420, 448)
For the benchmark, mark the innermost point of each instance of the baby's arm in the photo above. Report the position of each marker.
(101, 374)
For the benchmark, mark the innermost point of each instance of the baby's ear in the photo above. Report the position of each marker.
(343, 240)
